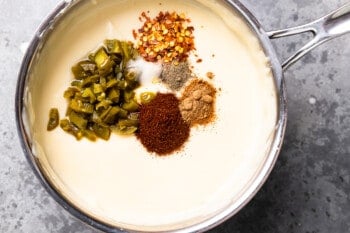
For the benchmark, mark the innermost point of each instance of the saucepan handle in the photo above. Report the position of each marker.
(326, 28)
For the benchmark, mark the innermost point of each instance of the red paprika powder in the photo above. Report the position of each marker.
(162, 129)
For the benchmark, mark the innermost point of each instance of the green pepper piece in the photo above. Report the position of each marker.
(90, 135)
(134, 116)
(70, 92)
(126, 131)
(78, 72)
(132, 85)
(147, 97)
(103, 62)
(126, 126)
(104, 104)
(130, 75)
(113, 46)
(96, 118)
(77, 120)
(64, 124)
(103, 81)
(71, 128)
(101, 131)
(112, 83)
(79, 96)
(109, 77)
(122, 84)
(90, 80)
(127, 122)
(131, 78)
(127, 50)
(101, 58)
(88, 93)
(53, 119)
(76, 83)
(79, 106)
(84, 69)
(97, 88)
(68, 111)
(117, 58)
(123, 113)
(114, 95)
(111, 116)
(105, 112)
(91, 57)
(101, 97)
(130, 106)
(128, 96)
(88, 66)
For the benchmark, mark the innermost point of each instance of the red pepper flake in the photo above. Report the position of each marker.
(134, 34)
(144, 15)
(167, 37)
(210, 75)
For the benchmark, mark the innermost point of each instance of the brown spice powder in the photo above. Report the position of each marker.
(198, 103)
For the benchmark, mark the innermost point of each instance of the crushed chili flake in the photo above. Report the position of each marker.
(134, 34)
(210, 75)
(167, 37)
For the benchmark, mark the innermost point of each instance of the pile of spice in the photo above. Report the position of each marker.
(198, 102)
(161, 127)
(167, 37)
(175, 75)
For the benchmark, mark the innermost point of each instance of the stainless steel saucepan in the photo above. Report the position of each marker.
(326, 28)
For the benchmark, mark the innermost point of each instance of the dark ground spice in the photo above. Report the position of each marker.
(175, 75)
(162, 129)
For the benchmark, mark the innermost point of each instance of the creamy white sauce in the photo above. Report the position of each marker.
(118, 181)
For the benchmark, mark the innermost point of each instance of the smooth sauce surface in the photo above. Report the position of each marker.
(118, 181)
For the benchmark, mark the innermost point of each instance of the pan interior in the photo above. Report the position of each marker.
(117, 181)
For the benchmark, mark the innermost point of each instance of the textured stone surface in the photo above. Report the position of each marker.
(307, 192)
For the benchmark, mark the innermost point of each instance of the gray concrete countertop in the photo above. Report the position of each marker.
(308, 190)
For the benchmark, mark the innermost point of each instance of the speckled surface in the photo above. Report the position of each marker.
(307, 192)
